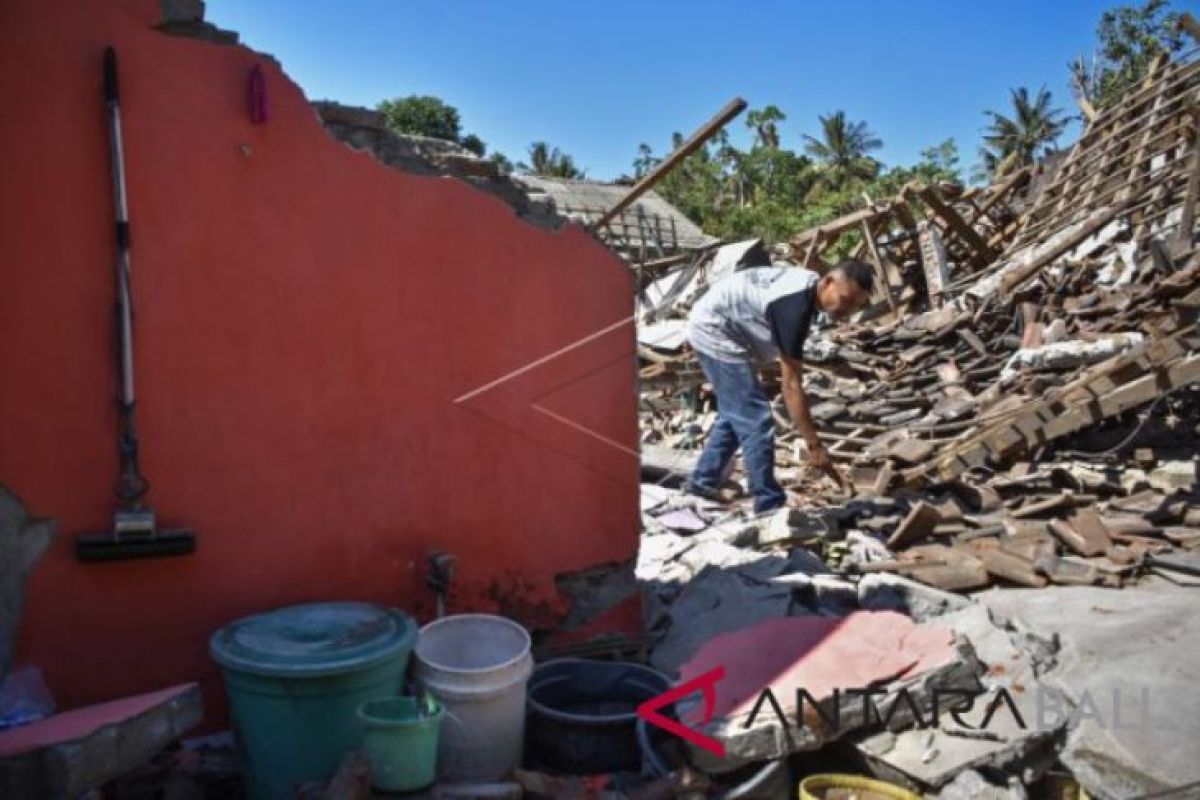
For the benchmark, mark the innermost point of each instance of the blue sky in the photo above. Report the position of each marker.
(598, 78)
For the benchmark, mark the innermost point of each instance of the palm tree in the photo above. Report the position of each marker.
(843, 147)
(763, 123)
(550, 162)
(1032, 132)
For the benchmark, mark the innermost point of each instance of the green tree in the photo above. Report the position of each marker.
(550, 162)
(1029, 134)
(645, 161)
(939, 163)
(843, 147)
(502, 162)
(1129, 39)
(474, 144)
(735, 186)
(422, 115)
(694, 187)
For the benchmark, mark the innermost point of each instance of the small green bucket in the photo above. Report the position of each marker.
(400, 737)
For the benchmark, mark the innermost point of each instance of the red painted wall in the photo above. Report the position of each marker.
(305, 319)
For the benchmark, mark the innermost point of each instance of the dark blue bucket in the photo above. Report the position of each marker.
(583, 714)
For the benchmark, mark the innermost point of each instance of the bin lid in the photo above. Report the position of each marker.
(314, 639)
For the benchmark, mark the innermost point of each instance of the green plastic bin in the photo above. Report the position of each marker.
(296, 678)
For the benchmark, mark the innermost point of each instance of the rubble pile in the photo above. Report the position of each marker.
(1035, 422)
(1019, 410)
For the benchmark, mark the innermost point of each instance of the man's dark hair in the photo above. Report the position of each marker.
(857, 271)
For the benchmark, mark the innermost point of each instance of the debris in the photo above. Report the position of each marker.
(23, 541)
(352, 781)
(1061, 355)
(1084, 532)
(970, 785)
(1172, 475)
(916, 526)
(1126, 672)
(821, 655)
(1019, 408)
(960, 739)
(72, 752)
(994, 389)
(879, 592)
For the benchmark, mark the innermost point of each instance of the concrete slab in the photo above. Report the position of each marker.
(718, 600)
(876, 650)
(883, 591)
(1007, 742)
(69, 753)
(1128, 664)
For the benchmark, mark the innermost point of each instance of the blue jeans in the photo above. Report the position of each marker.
(743, 418)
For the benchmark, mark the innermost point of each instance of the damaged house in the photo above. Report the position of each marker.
(423, 416)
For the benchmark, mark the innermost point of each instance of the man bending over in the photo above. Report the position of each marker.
(744, 321)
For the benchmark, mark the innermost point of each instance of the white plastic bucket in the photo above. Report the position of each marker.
(477, 665)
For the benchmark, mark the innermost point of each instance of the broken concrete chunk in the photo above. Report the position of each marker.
(1172, 475)
(1127, 671)
(23, 541)
(790, 524)
(1013, 740)
(1062, 355)
(823, 656)
(887, 592)
(970, 785)
(718, 600)
(67, 754)
(683, 520)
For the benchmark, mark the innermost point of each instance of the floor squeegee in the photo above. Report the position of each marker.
(134, 533)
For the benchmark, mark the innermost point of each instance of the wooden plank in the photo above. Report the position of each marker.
(1187, 223)
(693, 143)
(982, 255)
(1188, 24)
(933, 263)
(881, 277)
(1057, 245)
(840, 225)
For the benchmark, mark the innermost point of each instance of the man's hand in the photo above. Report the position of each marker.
(797, 405)
(819, 457)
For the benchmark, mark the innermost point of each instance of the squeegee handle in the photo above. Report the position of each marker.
(110, 75)
(121, 209)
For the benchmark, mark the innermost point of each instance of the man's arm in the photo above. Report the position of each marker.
(797, 406)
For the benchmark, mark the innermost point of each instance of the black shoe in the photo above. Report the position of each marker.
(707, 494)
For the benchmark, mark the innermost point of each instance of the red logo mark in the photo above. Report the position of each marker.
(706, 683)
